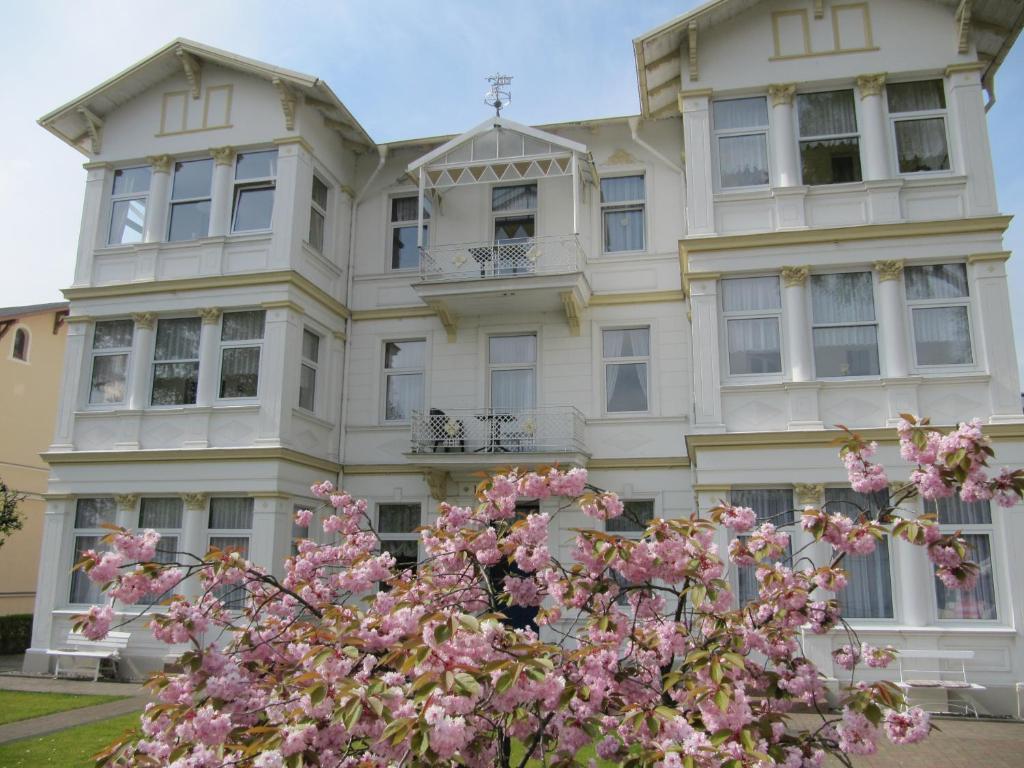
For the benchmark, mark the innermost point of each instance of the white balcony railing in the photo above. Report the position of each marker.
(557, 429)
(550, 255)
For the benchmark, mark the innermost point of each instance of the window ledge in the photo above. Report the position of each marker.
(322, 260)
(240, 237)
(403, 427)
(629, 257)
(638, 418)
(915, 379)
(92, 413)
(935, 179)
(879, 627)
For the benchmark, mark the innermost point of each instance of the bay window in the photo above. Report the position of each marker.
(318, 214)
(626, 354)
(229, 529)
(829, 142)
(111, 351)
(937, 296)
(308, 370)
(974, 520)
(404, 363)
(512, 372)
(404, 253)
(741, 141)
(752, 308)
(255, 180)
(129, 196)
(770, 505)
(190, 200)
(241, 340)
(396, 528)
(623, 205)
(176, 361)
(868, 593)
(844, 332)
(90, 517)
(918, 114)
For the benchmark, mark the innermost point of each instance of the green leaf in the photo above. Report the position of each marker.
(467, 683)
(722, 699)
(352, 714)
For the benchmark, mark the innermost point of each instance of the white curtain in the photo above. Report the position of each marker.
(868, 594)
(239, 372)
(750, 294)
(623, 229)
(398, 518)
(230, 513)
(979, 602)
(771, 505)
(936, 281)
(109, 375)
(921, 145)
(178, 339)
(626, 342)
(510, 350)
(626, 386)
(740, 113)
(242, 326)
(513, 390)
(404, 395)
(826, 114)
(754, 346)
(954, 511)
(849, 351)
(915, 97)
(743, 160)
(93, 513)
(113, 334)
(160, 513)
(83, 591)
(622, 189)
(942, 336)
(842, 298)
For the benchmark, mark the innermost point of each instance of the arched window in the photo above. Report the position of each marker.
(21, 344)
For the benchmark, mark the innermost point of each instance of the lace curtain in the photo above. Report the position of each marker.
(234, 513)
(831, 113)
(750, 294)
(868, 595)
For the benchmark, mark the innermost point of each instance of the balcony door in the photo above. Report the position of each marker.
(512, 373)
(515, 219)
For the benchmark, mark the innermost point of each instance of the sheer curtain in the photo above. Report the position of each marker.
(749, 294)
(626, 382)
(771, 505)
(404, 395)
(840, 300)
(513, 390)
(231, 513)
(826, 114)
(978, 603)
(942, 336)
(90, 515)
(160, 513)
(178, 339)
(936, 281)
(919, 96)
(622, 199)
(754, 346)
(868, 595)
(740, 113)
(743, 160)
(921, 145)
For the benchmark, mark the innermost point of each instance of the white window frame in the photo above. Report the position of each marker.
(242, 185)
(723, 133)
(394, 536)
(518, 213)
(232, 533)
(606, 361)
(623, 205)
(800, 138)
(171, 203)
(153, 363)
(178, 532)
(313, 365)
(109, 352)
(239, 344)
(389, 372)
(393, 225)
(77, 533)
(962, 301)
(316, 209)
(898, 117)
(127, 197)
(975, 529)
(493, 367)
(754, 314)
(813, 325)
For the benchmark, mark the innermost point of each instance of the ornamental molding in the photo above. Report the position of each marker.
(795, 276)
(808, 494)
(288, 102)
(210, 315)
(437, 481)
(223, 155)
(160, 163)
(126, 501)
(782, 94)
(192, 68)
(621, 157)
(871, 85)
(195, 501)
(890, 269)
(145, 319)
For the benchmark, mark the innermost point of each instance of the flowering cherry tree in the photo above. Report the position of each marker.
(638, 650)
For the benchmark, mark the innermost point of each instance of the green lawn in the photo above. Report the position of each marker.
(72, 748)
(24, 705)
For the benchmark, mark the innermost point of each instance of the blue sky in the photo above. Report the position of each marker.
(405, 68)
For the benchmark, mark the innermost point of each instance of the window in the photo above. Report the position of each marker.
(396, 527)
(190, 200)
(512, 373)
(939, 314)
(129, 196)
(404, 253)
(752, 308)
(515, 213)
(622, 213)
(770, 505)
(627, 354)
(318, 214)
(845, 333)
(636, 514)
(403, 373)
(829, 145)
(90, 517)
(868, 593)
(241, 339)
(298, 532)
(255, 179)
(229, 528)
(111, 349)
(741, 140)
(163, 515)
(975, 521)
(176, 361)
(308, 370)
(918, 112)
(19, 351)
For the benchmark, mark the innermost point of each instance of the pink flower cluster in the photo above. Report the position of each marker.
(864, 475)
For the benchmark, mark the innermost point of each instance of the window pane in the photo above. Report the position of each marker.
(165, 513)
(189, 221)
(741, 113)
(916, 97)
(403, 396)
(936, 281)
(513, 229)
(842, 298)
(406, 553)
(192, 179)
(175, 383)
(319, 192)
(131, 181)
(770, 505)
(178, 339)
(310, 346)
(634, 519)
(254, 209)
(826, 114)
(504, 350)
(743, 160)
(522, 197)
(749, 294)
(239, 372)
(307, 388)
(230, 513)
(405, 354)
(623, 229)
(850, 351)
(626, 342)
(404, 251)
(82, 589)
(954, 511)
(256, 165)
(316, 229)
(514, 390)
(622, 189)
(93, 513)
(404, 208)
(127, 219)
(921, 145)
(398, 518)
(242, 326)
(109, 374)
(942, 336)
(20, 351)
(869, 592)
(626, 387)
(754, 346)
(830, 162)
(112, 334)
(980, 602)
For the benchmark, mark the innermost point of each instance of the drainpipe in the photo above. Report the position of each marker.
(357, 198)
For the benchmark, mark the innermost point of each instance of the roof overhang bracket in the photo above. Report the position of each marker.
(691, 43)
(448, 319)
(819, 9)
(193, 70)
(288, 102)
(963, 22)
(573, 311)
(94, 126)
(5, 326)
(59, 318)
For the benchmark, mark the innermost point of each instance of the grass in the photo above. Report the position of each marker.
(72, 748)
(24, 705)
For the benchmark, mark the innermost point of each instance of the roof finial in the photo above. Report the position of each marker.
(499, 94)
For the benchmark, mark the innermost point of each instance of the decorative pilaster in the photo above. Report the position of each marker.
(222, 190)
(784, 129)
(794, 305)
(874, 129)
(92, 234)
(155, 228)
(996, 337)
(891, 314)
(142, 355)
(970, 152)
(707, 380)
(206, 389)
(696, 109)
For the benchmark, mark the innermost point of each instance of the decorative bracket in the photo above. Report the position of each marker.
(448, 319)
(963, 22)
(819, 9)
(692, 49)
(288, 102)
(437, 481)
(59, 318)
(5, 326)
(573, 311)
(94, 125)
(193, 70)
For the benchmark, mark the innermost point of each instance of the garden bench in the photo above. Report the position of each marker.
(930, 682)
(83, 652)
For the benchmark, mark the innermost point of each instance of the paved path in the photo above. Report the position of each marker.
(63, 685)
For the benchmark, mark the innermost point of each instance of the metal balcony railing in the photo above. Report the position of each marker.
(556, 429)
(549, 255)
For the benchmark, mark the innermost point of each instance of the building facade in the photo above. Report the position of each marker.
(685, 301)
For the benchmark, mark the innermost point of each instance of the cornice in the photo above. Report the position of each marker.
(192, 454)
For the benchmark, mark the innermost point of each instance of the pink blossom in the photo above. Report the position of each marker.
(303, 517)
(739, 519)
(96, 623)
(908, 727)
(106, 569)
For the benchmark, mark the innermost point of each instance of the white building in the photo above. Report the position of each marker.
(686, 302)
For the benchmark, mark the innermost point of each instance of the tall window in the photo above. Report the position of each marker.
(308, 369)
(918, 113)
(255, 179)
(741, 139)
(623, 199)
(829, 143)
(752, 307)
(515, 213)
(396, 526)
(975, 521)
(229, 529)
(163, 515)
(868, 594)
(176, 361)
(129, 196)
(19, 350)
(241, 339)
(404, 253)
(636, 515)
(940, 314)
(318, 214)
(90, 517)
(404, 362)
(845, 333)
(512, 372)
(190, 200)
(626, 355)
(111, 350)
(770, 505)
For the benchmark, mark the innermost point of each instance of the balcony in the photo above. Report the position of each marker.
(496, 436)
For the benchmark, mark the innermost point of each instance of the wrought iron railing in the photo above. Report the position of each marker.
(556, 429)
(552, 254)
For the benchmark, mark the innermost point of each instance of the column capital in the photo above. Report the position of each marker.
(795, 276)
(196, 501)
(126, 501)
(145, 319)
(160, 163)
(781, 93)
(210, 315)
(889, 269)
(871, 85)
(223, 155)
(808, 494)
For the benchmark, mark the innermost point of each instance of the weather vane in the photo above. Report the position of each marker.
(499, 94)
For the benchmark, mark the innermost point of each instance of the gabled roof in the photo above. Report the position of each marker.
(10, 313)
(79, 120)
(665, 51)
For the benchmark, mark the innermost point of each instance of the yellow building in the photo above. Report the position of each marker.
(32, 342)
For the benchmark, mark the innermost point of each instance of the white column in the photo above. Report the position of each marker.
(994, 343)
(784, 129)
(93, 231)
(873, 127)
(282, 343)
(159, 199)
(700, 212)
(127, 510)
(291, 194)
(707, 381)
(912, 578)
(270, 542)
(53, 579)
(142, 356)
(971, 153)
(209, 343)
(193, 533)
(222, 191)
(891, 318)
(798, 329)
(71, 389)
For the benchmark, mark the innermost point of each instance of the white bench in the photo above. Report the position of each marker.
(83, 652)
(928, 678)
